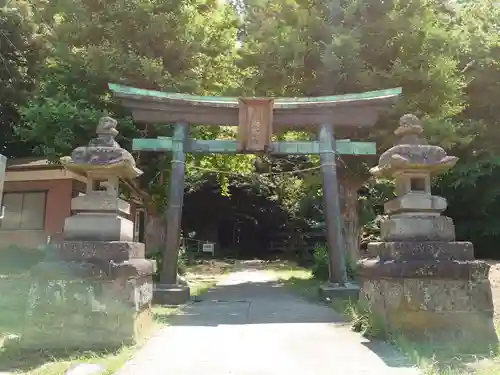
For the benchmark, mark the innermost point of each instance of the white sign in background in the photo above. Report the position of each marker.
(208, 248)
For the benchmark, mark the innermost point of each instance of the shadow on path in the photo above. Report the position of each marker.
(253, 303)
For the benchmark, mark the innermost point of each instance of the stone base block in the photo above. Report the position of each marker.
(330, 291)
(98, 227)
(429, 295)
(417, 228)
(116, 251)
(415, 202)
(85, 305)
(100, 201)
(426, 269)
(171, 294)
(433, 310)
(79, 330)
(430, 250)
(471, 331)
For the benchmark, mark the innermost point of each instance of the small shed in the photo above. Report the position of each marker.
(37, 199)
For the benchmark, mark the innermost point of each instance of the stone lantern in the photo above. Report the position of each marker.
(94, 289)
(419, 280)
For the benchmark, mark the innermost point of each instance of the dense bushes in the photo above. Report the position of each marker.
(185, 259)
(320, 264)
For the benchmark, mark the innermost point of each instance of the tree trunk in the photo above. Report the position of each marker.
(349, 186)
(351, 222)
(155, 233)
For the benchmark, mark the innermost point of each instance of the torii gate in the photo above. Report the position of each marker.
(257, 119)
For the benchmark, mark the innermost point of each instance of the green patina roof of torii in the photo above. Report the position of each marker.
(232, 102)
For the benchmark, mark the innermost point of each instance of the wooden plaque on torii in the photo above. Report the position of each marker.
(255, 124)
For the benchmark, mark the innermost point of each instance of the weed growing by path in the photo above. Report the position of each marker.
(361, 317)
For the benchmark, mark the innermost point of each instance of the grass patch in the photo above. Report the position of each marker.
(305, 287)
(163, 314)
(447, 359)
(201, 286)
(299, 280)
(43, 362)
(13, 299)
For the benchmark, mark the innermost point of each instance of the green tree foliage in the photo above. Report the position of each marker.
(472, 186)
(444, 55)
(21, 52)
(56, 59)
(176, 46)
(172, 46)
(311, 47)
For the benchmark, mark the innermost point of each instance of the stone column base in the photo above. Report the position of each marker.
(471, 330)
(92, 331)
(456, 312)
(171, 294)
(334, 291)
(84, 299)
